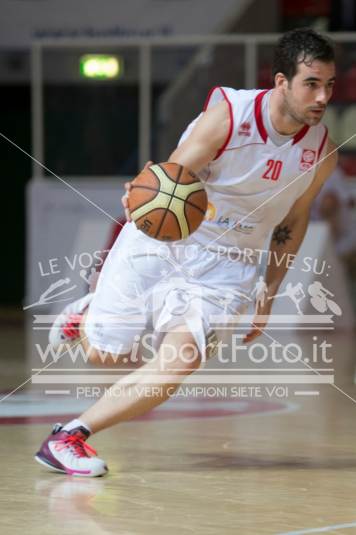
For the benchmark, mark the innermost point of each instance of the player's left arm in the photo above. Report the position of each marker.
(288, 236)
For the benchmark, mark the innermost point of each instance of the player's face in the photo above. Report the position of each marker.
(308, 93)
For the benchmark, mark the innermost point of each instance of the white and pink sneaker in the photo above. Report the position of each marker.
(67, 452)
(65, 328)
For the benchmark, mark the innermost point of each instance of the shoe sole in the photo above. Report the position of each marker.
(49, 465)
(59, 470)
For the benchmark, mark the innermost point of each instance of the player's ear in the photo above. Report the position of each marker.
(280, 81)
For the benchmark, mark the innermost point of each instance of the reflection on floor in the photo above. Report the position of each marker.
(218, 465)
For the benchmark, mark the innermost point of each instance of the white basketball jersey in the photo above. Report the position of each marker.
(253, 183)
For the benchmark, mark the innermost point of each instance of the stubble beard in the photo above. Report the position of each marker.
(300, 120)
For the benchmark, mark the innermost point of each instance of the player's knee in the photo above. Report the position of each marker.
(190, 357)
(187, 358)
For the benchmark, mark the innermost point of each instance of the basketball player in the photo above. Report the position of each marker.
(263, 157)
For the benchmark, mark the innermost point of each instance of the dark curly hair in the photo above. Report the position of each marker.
(302, 45)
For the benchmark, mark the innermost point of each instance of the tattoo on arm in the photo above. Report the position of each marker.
(281, 234)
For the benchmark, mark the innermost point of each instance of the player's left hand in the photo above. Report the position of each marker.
(259, 322)
(125, 198)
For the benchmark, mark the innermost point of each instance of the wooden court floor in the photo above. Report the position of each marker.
(290, 469)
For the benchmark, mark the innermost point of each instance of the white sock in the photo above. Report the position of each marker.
(76, 423)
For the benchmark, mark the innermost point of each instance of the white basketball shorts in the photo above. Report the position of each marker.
(147, 284)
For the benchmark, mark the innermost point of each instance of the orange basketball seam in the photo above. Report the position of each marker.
(144, 202)
(170, 202)
(176, 218)
(187, 201)
(187, 218)
(169, 176)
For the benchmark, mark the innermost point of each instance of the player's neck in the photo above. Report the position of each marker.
(281, 120)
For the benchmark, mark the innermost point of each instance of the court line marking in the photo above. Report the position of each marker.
(62, 180)
(320, 530)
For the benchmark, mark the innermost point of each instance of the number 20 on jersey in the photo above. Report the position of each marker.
(274, 169)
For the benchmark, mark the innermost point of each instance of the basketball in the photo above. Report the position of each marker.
(167, 201)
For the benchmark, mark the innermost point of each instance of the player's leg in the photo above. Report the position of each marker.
(65, 450)
(177, 358)
(110, 329)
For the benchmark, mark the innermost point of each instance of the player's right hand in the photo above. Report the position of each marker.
(259, 322)
(125, 197)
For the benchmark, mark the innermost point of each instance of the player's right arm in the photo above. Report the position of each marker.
(201, 146)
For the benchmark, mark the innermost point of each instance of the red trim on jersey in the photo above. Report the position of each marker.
(258, 115)
(299, 135)
(261, 127)
(323, 142)
(231, 128)
(207, 100)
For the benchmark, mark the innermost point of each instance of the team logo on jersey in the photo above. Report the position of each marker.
(210, 212)
(235, 224)
(307, 160)
(244, 129)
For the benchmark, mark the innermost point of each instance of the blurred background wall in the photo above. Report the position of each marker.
(90, 127)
